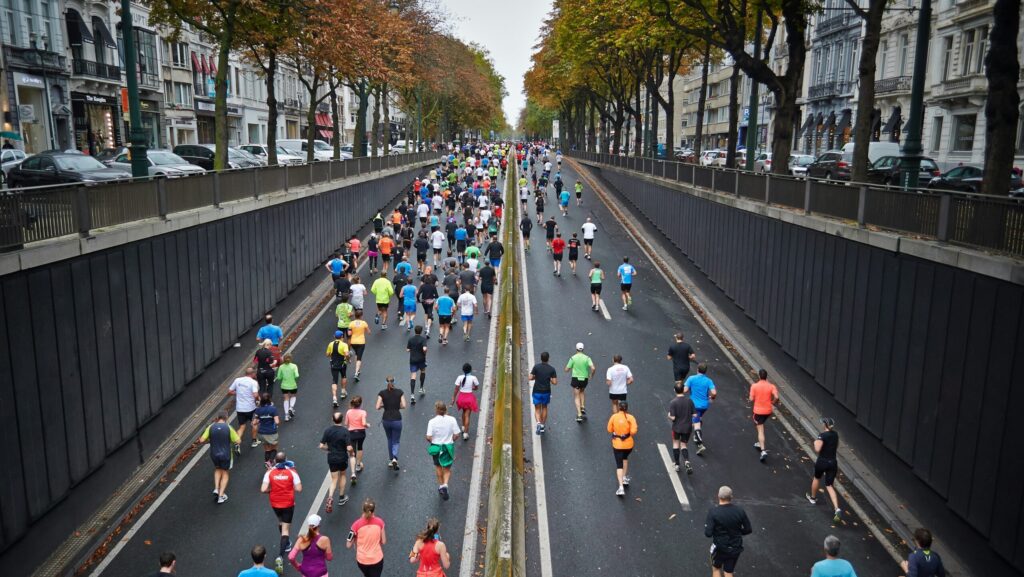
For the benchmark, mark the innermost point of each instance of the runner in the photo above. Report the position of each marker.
(441, 433)
(922, 561)
(596, 282)
(387, 246)
(618, 377)
(358, 291)
(430, 551)
(266, 363)
(622, 427)
(725, 525)
(422, 245)
(437, 240)
(269, 331)
(266, 421)
(487, 275)
(373, 251)
(589, 228)
(826, 446)
(408, 294)
(247, 395)
(314, 548)
(368, 537)
(764, 395)
(338, 353)
(625, 273)
(467, 308)
(550, 230)
(336, 266)
(682, 414)
(281, 483)
(702, 392)
(574, 252)
(356, 423)
(358, 330)
(495, 250)
(464, 397)
(543, 376)
(557, 252)
(353, 246)
(427, 296)
(344, 312)
(538, 204)
(832, 565)
(563, 202)
(335, 441)
(580, 369)
(259, 555)
(222, 439)
(382, 290)
(680, 353)
(445, 310)
(525, 226)
(392, 402)
(579, 193)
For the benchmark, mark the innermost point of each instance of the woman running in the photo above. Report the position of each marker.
(358, 329)
(315, 550)
(266, 421)
(358, 292)
(367, 534)
(373, 250)
(464, 397)
(430, 552)
(441, 433)
(596, 281)
(392, 401)
(288, 375)
(355, 421)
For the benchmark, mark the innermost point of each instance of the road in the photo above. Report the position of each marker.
(211, 539)
(656, 530)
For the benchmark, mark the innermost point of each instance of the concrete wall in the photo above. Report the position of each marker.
(923, 353)
(93, 347)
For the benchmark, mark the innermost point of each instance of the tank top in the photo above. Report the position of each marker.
(356, 419)
(430, 560)
(314, 561)
(595, 276)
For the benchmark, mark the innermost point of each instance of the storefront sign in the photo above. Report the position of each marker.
(27, 113)
(94, 98)
(183, 122)
(147, 105)
(28, 80)
(139, 19)
(234, 111)
(205, 106)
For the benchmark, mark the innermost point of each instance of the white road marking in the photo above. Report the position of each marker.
(604, 310)
(317, 502)
(538, 448)
(673, 476)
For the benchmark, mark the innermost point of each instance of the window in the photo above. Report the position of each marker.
(840, 73)
(977, 66)
(947, 57)
(937, 133)
(183, 93)
(178, 54)
(12, 29)
(963, 132)
(169, 90)
(904, 54)
(883, 61)
(969, 52)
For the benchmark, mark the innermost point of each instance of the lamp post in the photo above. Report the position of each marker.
(912, 147)
(752, 106)
(140, 166)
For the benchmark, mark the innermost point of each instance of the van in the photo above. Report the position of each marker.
(876, 150)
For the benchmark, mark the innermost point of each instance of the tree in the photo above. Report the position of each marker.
(1002, 108)
(872, 17)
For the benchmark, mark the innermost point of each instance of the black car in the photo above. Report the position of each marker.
(831, 165)
(61, 168)
(967, 179)
(889, 170)
(202, 155)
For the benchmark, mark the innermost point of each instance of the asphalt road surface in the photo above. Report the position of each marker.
(656, 530)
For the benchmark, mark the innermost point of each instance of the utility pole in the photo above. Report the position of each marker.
(752, 104)
(912, 147)
(140, 166)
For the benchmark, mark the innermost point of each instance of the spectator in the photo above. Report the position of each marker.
(832, 565)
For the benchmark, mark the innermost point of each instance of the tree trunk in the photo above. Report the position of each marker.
(359, 142)
(866, 87)
(271, 72)
(333, 84)
(375, 136)
(1002, 110)
(734, 118)
(591, 144)
(638, 117)
(387, 120)
(311, 125)
(669, 106)
(702, 101)
(220, 124)
(620, 119)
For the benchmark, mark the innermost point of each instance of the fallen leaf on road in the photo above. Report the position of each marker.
(672, 516)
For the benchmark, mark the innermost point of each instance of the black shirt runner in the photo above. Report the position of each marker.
(542, 375)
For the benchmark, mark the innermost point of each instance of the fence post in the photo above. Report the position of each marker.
(807, 196)
(767, 187)
(862, 204)
(330, 170)
(736, 183)
(161, 197)
(256, 184)
(310, 165)
(945, 217)
(286, 178)
(713, 171)
(82, 212)
(216, 189)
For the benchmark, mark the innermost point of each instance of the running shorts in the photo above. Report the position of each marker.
(680, 374)
(337, 465)
(245, 418)
(428, 309)
(421, 256)
(358, 349)
(724, 561)
(417, 367)
(626, 287)
(595, 288)
(339, 373)
(467, 318)
(681, 437)
(542, 399)
(574, 255)
(826, 468)
(409, 307)
(578, 383)
(700, 414)
(760, 419)
(382, 307)
(588, 241)
(617, 396)
(486, 289)
(284, 514)
(557, 256)
(386, 257)
(268, 438)
(356, 438)
(222, 462)
(621, 456)
(444, 319)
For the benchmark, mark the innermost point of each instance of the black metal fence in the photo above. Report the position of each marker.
(45, 212)
(981, 221)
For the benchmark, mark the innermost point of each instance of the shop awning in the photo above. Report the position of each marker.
(831, 120)
(808, 125)
(844, 120)
(213, 67)
(328, 134)
(78, 32)
(819, 122)
(876, 123)
(196, 66)
(894, 120)
(323, 119)
(103, 32)
(206, 69)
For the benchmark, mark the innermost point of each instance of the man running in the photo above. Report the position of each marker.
(382, 290)
(336, 442)
(467, 308)
(269, 331)
(826, 466)
(487, 276)
(680, 353)
(580, 369)
(725, 525)
(427, 297)
(579, 193)
(623, 428)
(247, 394)
(222, 439)
(437, 240)
(408, 293)
(557, 252)
(495, 250)
(550, 230)
(338, 353)
(563, 202)
(417, 349)
(682, 414)
(625, 274)
(764, 395)
(538, 206)
(445, 310)
(574, 252)
(922, 561)
(618, 377)
(344, 312)
(589, 228)
(543, 377)
(596, 283)
(702, 392)
(525, 226)
(281, 483)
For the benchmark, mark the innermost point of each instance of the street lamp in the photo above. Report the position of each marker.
(140, 166)
(912, 147)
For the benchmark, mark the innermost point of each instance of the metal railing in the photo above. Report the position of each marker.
(894, 84)
(84, 67)
(986, 222)
(46, 212)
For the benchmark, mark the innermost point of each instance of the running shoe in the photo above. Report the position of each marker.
(625, 481)
(344, 395)
(838, 516)
(291, 413)
(422, 392)
(384, 327)
(288, 545)
(413, 399)
(287, 417)
(629, 300)
(677, 467)
(701, 448)
(583, 411)
(543, 428)
(359, 468)
(538, 431)
(335, 402)
(342, 499)
(620, 492)
(357, 376)
(329, 507)
(689, 468)
(394, 464)
(466, 338)
(579, 418)
(624, 307)
(354, 479)
(376, 319)
(238, 450)
(757, 446)
(810, 499)
(255, 443)
(465, 436)
(279, 566)
(764, 455)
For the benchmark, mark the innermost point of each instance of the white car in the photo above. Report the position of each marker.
(299, 147)
(161, 163)
(708, 157)
(798, 164)
(283, 155)
(763, 162)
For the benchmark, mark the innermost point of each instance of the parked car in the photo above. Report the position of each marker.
(798, 164)
(62, 168)
(284, 156)
(161, 163)
(708, 157)
(968, 179)
(876, 150)
(202, 155)
(108, 154)
(10, 158)
(252, 158)
(831, 165)
(299, 146)
(763, 162)
(889, 170)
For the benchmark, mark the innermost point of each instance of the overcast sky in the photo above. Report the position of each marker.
(508, 29)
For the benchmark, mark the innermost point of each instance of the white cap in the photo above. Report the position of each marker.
(579, 346)
(313, 520)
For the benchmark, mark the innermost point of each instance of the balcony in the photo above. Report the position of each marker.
(891, 85)
(41, 60)
(149, 81)
(82, 67)
(966, 90)
(832, 24)
(970, 8)
(822, 91)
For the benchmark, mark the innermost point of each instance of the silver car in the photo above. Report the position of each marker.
(284, 156)
(161, 163)
(798, 164)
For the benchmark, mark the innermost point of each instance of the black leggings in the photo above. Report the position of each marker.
(374, 570)
(265, 378)
(373, 261)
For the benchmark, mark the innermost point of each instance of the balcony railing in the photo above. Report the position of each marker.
(970, 6)
(831, 24)
(823, 90)
(82, 67)
(895, 84)
(149, 80)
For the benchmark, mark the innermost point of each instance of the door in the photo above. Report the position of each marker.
(47, 173)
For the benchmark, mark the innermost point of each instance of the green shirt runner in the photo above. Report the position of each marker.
(344, 313)
(288, 374)
(580, 365)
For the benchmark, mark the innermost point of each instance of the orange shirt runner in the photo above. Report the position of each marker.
(762, 393)
(386, 244)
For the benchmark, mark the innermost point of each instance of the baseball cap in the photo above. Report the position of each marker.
(313, 520)
(579, 346)
(338, 334)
